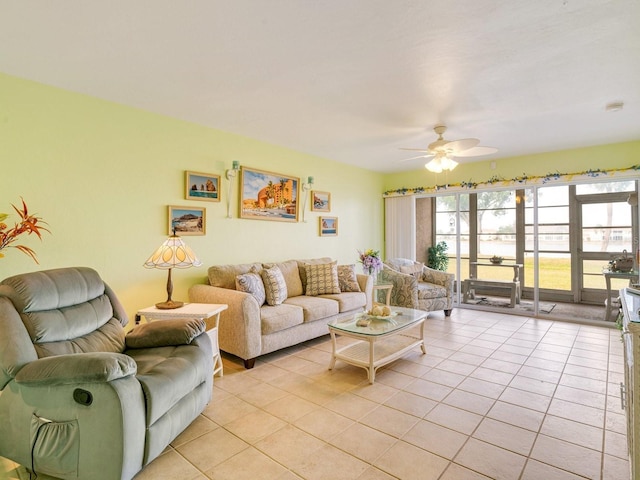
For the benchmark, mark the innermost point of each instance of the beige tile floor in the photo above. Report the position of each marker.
(495, 397)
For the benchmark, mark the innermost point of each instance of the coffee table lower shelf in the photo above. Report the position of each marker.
(375, 352)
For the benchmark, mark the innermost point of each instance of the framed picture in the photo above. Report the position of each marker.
(201, 186)
(321, 201)
(328, 226)
(268, 196)
(187, 220)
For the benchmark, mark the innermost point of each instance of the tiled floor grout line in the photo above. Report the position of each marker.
(464, 335)
(575, 336)
(468, 342)
(470, 435)
(546, 412)
(527, 457)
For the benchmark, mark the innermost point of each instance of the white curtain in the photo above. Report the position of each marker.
(400, 227)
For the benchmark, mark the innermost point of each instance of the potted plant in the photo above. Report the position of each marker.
(370, 260)
(28, 224)
(438, 258)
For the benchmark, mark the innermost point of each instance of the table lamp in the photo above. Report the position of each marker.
(173, 253)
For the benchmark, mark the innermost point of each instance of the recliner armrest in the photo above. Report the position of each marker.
(163, 333)
(96, 367)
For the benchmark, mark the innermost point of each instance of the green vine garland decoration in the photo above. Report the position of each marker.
(524, 179)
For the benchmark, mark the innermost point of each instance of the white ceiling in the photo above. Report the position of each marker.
(348, 80)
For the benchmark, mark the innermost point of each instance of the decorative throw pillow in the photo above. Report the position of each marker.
(415, 270)
(251, 283)
(347, 280)
(291, 276)
(310, 261)
(322, 279)
(275, 287)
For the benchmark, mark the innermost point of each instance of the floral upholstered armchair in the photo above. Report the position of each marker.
(418, 286)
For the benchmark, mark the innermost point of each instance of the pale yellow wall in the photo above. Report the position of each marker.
(620, 155)
(102, 176)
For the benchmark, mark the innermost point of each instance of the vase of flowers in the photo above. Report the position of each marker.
(28, 224)
(371, 262)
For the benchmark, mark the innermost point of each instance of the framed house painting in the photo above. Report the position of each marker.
(321, 201)
(201, 186)
(187, 220)
(268, 195)
(328, 226)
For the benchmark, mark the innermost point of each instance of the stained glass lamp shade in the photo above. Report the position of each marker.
(173, 253)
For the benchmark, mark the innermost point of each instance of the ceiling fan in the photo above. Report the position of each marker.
(444, 151)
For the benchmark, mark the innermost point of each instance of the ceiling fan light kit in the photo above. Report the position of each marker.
(440, 163)
(444, 151)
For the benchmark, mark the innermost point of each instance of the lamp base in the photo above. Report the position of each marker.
(168, 305)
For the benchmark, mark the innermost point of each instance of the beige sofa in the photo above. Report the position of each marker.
(254, 325)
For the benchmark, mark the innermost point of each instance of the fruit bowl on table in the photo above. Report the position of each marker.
(383, 317)
(381, 312)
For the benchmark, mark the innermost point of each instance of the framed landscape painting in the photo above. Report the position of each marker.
(268, 195)
(321, 201)
(328, 226)
(202, 186)
(187, 220)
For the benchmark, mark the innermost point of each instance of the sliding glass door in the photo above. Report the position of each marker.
(608, 220)
(558, 239)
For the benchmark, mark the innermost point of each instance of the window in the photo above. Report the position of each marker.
(578, 229)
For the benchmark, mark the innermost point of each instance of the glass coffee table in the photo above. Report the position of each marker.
(380, 342)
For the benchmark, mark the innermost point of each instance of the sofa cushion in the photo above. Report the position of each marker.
(314, 308)
(430, 290)
(415, 270)
(322, 279)
(303, 273)
(251, 283)
(274, 319)
(396, 263)
(291, 275)
(348, 300)
(275, 287)
(224, 276)
(347, 280)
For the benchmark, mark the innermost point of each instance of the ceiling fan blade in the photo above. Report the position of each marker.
(415, 149)
(456, 146)
(476, 152)
(413, 158)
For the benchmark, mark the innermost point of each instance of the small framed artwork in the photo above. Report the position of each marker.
(268, 196)
(321, 201)
(328, 226)
(187, 220)
(201, 186)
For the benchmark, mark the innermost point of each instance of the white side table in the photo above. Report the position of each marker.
(200, 311)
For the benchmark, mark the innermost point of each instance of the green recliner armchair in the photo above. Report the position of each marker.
(80, 399)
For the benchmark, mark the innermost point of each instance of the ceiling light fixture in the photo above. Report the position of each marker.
(441, 162)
